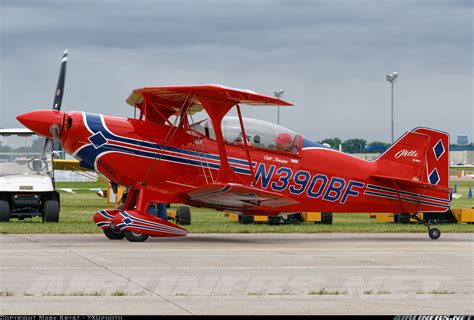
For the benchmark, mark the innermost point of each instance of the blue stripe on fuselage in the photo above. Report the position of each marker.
(90, 153)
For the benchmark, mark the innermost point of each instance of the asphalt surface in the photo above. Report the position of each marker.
(238, 274)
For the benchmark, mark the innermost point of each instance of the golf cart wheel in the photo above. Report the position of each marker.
(4, 211)
(326, 217)
(135, 237)
(183, 215)
(114, 234)
(51, 211)
(434, 233)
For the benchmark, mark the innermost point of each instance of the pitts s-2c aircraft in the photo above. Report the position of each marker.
(234, 163)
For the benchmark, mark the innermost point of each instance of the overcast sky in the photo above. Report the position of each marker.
(330, 57)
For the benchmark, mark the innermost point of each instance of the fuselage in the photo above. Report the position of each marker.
(168, 160)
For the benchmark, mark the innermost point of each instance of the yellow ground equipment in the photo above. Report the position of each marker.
(463, 215)
(459, 215)
(316, 217)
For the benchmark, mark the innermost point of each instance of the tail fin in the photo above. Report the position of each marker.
(420, 157)
(437, 162)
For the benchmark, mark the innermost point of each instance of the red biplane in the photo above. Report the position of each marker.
(234, 163)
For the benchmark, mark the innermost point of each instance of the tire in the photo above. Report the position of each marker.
(434, 233)
(51, 211)
(114, 234)
(135, 237)
(183, 216)
(404, 218)
(275, 220)
(4, 211)
(245, 219)
(326, 217)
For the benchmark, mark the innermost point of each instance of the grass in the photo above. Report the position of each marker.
(74, 294)
(323, 292)
(6, 293)
(384, 291)
(78, 209)
(283, 292)
(441, 292)
(463, 188)
(122, 293)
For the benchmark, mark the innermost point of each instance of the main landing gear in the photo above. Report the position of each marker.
(113, 233)
(434, 233)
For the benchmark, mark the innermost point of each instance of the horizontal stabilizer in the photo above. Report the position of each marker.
(402, 182)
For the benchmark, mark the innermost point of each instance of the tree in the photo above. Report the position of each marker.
(333, 142)
(354, 145)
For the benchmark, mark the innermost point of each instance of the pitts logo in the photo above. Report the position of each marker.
(405, 153)
(302, 182)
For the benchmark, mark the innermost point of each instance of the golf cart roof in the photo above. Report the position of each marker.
(16, 132)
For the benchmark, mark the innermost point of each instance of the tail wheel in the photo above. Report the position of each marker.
(4, 211)
(183, 215)
(51, 211)
(135, 237)
(326, 217)
(434, 233)
(114, 234)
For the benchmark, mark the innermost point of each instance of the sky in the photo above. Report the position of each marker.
(330, 57)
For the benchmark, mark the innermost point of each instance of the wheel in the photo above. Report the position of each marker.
(275, 220)
(326, 217)
(404, 218)
(114, 234)
(4, 211)
(135, 237)
(183, 215)
(246, 219)
(51, 211)
(434, 233)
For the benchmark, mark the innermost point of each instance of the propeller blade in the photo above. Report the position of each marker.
(58, 98)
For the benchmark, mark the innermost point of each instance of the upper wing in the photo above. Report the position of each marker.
(172, 98)
(236, 197)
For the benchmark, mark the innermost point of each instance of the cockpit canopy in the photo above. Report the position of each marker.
(260, 134)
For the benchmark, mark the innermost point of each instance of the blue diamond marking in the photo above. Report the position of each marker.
(434, 177)
(127, 220)
(98, 139)
(438, 150)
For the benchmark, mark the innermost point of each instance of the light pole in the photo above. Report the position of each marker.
(278, 95)
(392, 77)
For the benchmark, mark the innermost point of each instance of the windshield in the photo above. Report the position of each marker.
(260, 134)
(20, 154)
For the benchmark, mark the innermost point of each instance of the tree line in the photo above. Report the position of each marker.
(357, 145)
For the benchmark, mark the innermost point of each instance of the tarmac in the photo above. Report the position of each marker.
(333, 273)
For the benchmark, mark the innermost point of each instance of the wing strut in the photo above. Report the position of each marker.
(244, 137)
(217, 109)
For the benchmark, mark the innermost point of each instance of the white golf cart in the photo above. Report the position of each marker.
(26, 178)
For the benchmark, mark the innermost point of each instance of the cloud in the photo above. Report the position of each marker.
(330, 57)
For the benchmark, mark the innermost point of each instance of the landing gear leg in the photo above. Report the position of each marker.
(434, 233)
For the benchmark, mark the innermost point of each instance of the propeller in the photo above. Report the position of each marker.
(58, 100)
